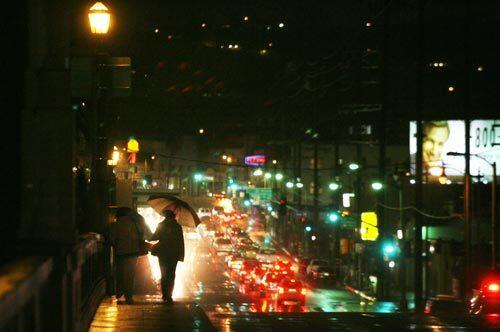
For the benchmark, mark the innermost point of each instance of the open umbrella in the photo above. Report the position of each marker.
(186, 216)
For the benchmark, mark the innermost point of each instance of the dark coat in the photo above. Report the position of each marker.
(171, 240)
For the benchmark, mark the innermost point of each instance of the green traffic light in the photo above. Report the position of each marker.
(333, 217)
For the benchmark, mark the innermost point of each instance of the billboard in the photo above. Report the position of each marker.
(441, 137)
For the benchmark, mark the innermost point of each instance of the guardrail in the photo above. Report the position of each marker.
(54, 292)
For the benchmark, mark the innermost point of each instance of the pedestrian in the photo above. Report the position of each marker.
(127, 238)
(170, 250)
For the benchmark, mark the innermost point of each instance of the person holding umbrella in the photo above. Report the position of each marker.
(170, 250)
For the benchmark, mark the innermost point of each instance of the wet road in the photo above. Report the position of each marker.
(205, 280)
(209, 284)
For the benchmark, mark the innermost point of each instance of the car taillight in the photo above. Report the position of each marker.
(303, 291)
(493, 287)
(281, 290)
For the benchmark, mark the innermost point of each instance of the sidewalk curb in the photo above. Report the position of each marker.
(360, 293)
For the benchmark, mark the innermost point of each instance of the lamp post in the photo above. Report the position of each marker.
(493, 201)
(99, 21)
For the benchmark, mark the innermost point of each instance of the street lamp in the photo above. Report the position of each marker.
(353, 166)
(377, 185)
(279, 176)
(299, 185)
(493, 201)
(333, 186)
(257, 172)
(99, 18)
(268, 175)
(289, 184)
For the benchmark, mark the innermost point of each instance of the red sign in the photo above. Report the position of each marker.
(255, 160)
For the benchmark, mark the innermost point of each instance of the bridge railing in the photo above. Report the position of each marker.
(58, 292)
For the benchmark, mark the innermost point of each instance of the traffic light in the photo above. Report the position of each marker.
(333, 217)
(282, 207)
(389, 248)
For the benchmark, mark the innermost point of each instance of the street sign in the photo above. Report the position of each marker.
(349, 222)
(261, 194)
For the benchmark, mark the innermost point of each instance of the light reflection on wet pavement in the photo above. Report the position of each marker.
(204, 283)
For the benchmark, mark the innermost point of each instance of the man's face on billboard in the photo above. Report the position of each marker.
(433, 144)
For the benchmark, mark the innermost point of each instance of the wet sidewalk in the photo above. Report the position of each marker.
(149, 313)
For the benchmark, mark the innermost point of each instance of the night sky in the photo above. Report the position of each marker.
(330, 63)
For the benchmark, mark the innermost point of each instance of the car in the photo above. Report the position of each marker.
(303, 263)
(246, 268)
(284, 266)
(314, 264)
(291, 291)
(486, 301)
(235, 262)
(269, 283)
(445, 306)
(204, 212)
(218, 210)
(222, 246)
(324, 273)
(268, 255)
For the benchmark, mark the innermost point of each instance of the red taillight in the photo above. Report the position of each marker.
(493, 287)
(303, 291)
(281, 290)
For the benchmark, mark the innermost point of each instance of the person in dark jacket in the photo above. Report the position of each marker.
(170, 251)
(126, 235)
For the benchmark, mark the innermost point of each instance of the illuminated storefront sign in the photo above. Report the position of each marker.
(255, 160)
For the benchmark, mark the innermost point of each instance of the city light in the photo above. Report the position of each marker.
(289, 184)
(451, 88)
(270, 208)
(275, 161)
(99, 18)
(198, 177)
(281, 25)
(313, 237)
(392, 264)
(308, 228)
(443, 179)
(201, 131)
(224, 157)
(257, 172)
(279, 176)
(333, 217)
(299, 185)
(436, 171)
(268, 175)
(377, 186)
(400, 234)
(389, 248)
(245, 18)
(413, 181)
(333, 186)
(246, 202)
(353, 166)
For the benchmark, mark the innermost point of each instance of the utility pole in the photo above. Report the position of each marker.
(466, 105)
(419, 160)
(316, 189)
